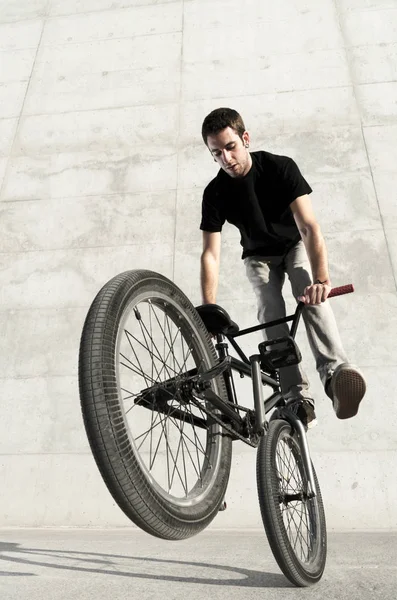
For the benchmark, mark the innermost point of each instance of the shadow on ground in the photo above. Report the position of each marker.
(109, 564)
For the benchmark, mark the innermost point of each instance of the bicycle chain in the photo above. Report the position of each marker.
(228, 428)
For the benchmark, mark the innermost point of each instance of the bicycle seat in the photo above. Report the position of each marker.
(216, 319)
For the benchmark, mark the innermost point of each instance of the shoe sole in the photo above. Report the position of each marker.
(348, 391)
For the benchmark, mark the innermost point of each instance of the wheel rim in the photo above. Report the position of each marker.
(299, 513)
(156, 342)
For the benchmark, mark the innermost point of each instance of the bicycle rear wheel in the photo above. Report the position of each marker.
(294, 523)
(164, 459)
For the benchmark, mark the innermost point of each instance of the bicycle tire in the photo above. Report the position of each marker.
(168, 504)
(290, 523)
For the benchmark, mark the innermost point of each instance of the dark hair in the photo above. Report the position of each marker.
(219, 119)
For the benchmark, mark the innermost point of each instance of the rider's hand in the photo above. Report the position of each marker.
(315, 293)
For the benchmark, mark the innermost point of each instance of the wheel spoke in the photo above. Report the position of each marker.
(159, 344)
(131, 366)
(169, 454)
(197, 471)
(145, 332)
(137, 359)
(152, 427)
(296, 515)
(185, 356)
(152, 354)
(183, 438)
(130, 395)
(175, 462)
(195, 442)
(170, 352)
(161, 423)
(133, 337)
(165, 336)
(298, 529)
(151, 329)
(175, 467)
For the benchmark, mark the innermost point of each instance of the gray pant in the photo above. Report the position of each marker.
(267, 275)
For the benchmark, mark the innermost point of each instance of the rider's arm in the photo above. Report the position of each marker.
(210, 259)
(315, 247)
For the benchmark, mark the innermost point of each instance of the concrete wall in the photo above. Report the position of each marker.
(102, 169)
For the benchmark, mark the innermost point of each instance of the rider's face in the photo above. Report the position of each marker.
(230, 151)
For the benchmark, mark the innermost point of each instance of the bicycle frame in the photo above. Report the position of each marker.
(251, 367)
(198, 383)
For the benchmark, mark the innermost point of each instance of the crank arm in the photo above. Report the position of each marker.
(193, 377)
(224, 365)
(225, 409)
(173, 412)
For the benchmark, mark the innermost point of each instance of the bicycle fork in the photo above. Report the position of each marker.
(307, 463)
(283, 412)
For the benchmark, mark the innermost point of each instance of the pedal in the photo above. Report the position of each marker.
(280, 352)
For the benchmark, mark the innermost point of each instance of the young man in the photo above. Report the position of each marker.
(267, 198)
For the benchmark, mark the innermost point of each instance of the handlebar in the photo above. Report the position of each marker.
(343, 289)
(337, 291)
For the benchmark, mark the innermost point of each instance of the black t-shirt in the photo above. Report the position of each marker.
(258, 204)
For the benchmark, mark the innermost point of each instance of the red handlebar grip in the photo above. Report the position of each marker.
(343, 289)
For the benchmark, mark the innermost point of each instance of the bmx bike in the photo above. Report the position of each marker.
(161, 412)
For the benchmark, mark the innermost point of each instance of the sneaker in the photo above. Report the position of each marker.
(304, 410)
(346, 388)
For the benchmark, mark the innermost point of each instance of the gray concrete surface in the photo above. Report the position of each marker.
(118, 564)
(102, 168)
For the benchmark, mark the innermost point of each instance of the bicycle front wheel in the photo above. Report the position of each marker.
(294, 522)
(160, 451)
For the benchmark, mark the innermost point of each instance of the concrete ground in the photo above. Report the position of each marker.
(127, 563)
